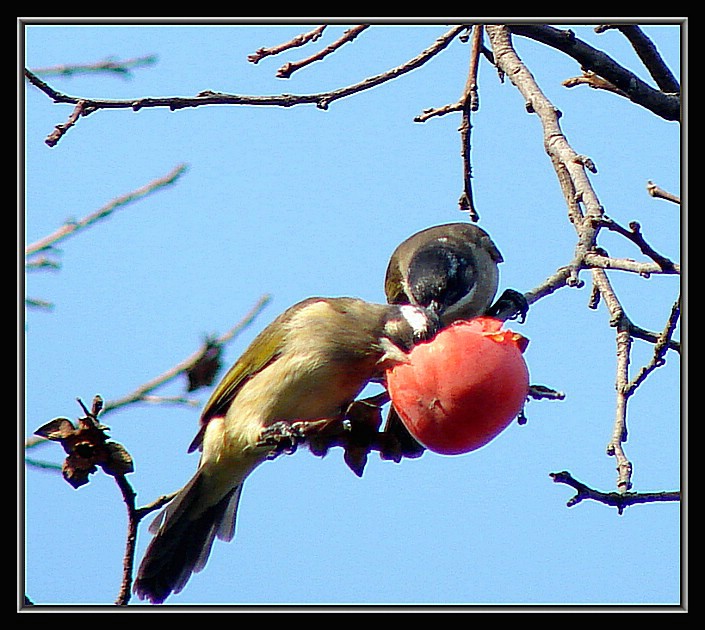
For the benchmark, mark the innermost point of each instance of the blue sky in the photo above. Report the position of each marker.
(295, 202)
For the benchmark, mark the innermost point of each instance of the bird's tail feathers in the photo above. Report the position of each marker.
(183, 536)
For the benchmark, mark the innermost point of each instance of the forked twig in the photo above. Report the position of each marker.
(615, 499)
(292, 66)
(297, 41)
(322, 100)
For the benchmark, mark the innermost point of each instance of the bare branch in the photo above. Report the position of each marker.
(615, 499)
(290, 67)
(141, 393)
(649, 55)
(587, 216)
(297, 41)
(541, 392)
(61, 129)
(645, 269)
(470, 90)
(624, 387)
(589, 78)
(661, 346)
(38, 303)
(134, 517)
(111, 66)
(635, 236)
(209, 97)
(659, 193)
(666, 106)
(469, 103)
(569, 166)
(71, 228)
(554, 282)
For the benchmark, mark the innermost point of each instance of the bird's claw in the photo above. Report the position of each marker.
(510, 305)
(281, 437)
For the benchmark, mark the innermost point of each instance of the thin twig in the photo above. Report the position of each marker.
(432, 112)
(667, 106)
(297, 41)
(134, 517)
(660, 193)
(661, 347)
(470, 103)
(594, 81)
(61, 129)
(619, 320)
(644, 269)
(290, 67)
(141, 393)
(322, 100)
(649, 55)
(39, 303)
(635, 236)
(111, 66)
(71, 228)
(43, 262)
(570, 166)
(616, 499)
(554, 282)
(470, 85)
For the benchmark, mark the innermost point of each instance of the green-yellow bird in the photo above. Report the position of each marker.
(309, 364)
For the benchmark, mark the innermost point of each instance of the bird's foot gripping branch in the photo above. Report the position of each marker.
(356, 431)
(282, 437)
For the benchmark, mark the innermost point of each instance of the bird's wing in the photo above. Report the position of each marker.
(265, 348)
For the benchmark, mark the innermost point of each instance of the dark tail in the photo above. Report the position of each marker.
(184, 533)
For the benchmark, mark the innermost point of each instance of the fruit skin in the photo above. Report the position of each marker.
(463, 387)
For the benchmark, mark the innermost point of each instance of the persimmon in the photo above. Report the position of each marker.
(462, 388)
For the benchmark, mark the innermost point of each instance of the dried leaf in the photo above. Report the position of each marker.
(204, 371)
(76, 470)
(57, 429)
(87, 446)
(119, 461)
(356, 458)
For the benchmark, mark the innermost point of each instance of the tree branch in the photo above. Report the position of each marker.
(322, 100)
(469, 103)
(587, 216)
(297, 41)
(111, 66)
(134, 517)
(569, 166)
(615, 499)
(141, 393)
(635, 236)
(623, 385)
(667, 106)
(661, 346)
(72, 227)
(649, 55)
(290, 67)
(659, 193)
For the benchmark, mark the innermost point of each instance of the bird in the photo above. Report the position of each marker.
(453, 271)
(308, 364)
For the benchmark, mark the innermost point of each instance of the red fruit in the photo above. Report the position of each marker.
(463, 387)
